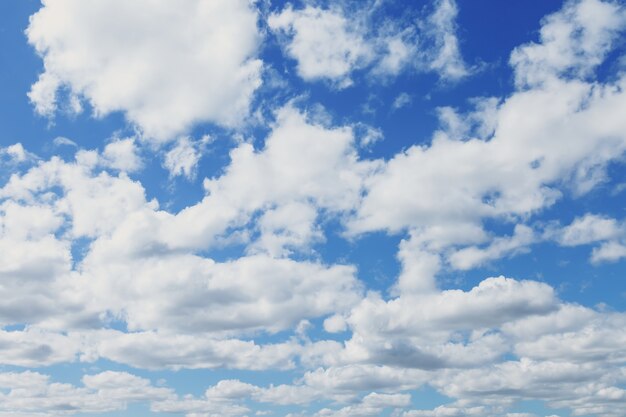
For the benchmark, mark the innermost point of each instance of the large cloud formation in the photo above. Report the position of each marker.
(94, 269)
(165, 65)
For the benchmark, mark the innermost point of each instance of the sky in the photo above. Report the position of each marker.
(316, 208)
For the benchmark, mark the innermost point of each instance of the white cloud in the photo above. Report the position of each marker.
(16, 154)
(302, 161)
(372, 404)
(593, 228)
(582, 388)
(490, 163)
(335, 324)
(445, 56)
(132, 242)
(343, 382)
(446, 329)
(121, 154)
(287, 227)
(31, 392)
(609, 252)
(447, 411)
(86, 251)
(472, 256)
(325, 43)
(33, 260)
(397, 53)
(43, 94)
(176, 350)
(63, 141)
(192, 294)
(588, 229)
(367, 135)
(480, 122)
(572, 334)
(184, 63)
(402, 100)
(454, 182)
(182, 158)
(333, 43)
(573, 42)
(35, 348)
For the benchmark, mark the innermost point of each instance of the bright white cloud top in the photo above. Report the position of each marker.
(309, 210)
(165, 65)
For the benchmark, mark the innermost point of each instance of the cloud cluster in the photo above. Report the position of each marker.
(333, 43)
(165, 66)
(94, 269)
(592, 229)
(33, 394)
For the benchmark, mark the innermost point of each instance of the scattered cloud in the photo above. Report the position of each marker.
(325, 43)
(181, 66)
(333, 43)
(402, 100)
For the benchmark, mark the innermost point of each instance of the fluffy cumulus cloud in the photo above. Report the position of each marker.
(183, 157)
(608, 234)
(574, 42)
(257, 269)
(446, 56)
(333, 43)
(117, 205)
(34, 394)
(325, 43)
(492, 163)
(165, 66)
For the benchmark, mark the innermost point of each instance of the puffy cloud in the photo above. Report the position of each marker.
(291, 225)
(372, 404)
(33, 261)
(447, 411)
(184, 64)
(194, 294)
(232, 397)
(491, 303)
(200, 408)
(325, 43)
(31, 392)
(445, 57)
(574, 41)
(592, 228)
(333, 43)
(120, 268)
(170, 350)
(121, 154)
(302, 162)
(34, 348)
(570, 358)
(573, 334)
(609, 252)
(492, 163)
(402, 100)
(473, 256)
(454, 182)
(345, 381)
(441, 329)
(15, 154)
(88, 252)
(583, 388)
(183, 157)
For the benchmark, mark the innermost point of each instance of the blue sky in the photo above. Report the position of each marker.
(312, 209)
